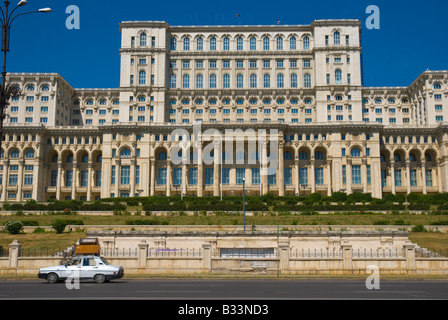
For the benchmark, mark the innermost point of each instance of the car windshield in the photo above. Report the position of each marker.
(104, 261)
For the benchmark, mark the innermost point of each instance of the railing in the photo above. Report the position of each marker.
(379, 253)
(116, 252)
(33, 252)
(315, 253)
(168, 252)
(425, 253)
(247, 253)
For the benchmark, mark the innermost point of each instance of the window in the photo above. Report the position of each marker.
(226, 81)
(303, 176)
(240, 175)
(355, 152)
(126, 153)
(173, 44)
(226, 44)
(213, 81)
(338, 76)
(307, 80)
(193, 176)
(208, 176)
(266, 81)
(142, 77)
(265, 43)
(280, 81)
(356, 174)
(253, 43)
(429, 178)
(186, 81)
(398, 178)
(239, 43)
(294, 83)
(336, 38)
(161, 176)
(85, 176)
(143, 40)
(173, 81)
(287, 176)
(239, 81)
(306, 43)
(279, 43)
(256, 176)
(292, 43)
(319, 176)
(177, 176)
(199, 81)
(213, 44)
(200, 44)
(186, 44)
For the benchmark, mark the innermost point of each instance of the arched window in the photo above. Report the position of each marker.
(54, 158)
(265, 43)
(226, 44)
(200, 44)
(292, 43)
(266, 81)
(199, 81)
(213, 44)
(428, 157)
(226, 81)
(338, 76)
(186, 44)
(14, 154)
(412, 157)
(143, 39)
(99, 158)
(253, 80)
(307, 80)
(173, 81)
(355, 152)
(142, 77)
(382, 158)
(253, 43)
(437, 86)
(69, 158)
(162, 156)
(318, 155)
(29, 154)
(239, 81)
(186, 81)
(397, 157)
(126, 153)
(279, 43)
(239, 43)
(336, 38)
(293, 80)
(280, 81)
(45, 88)
(287, 155)
(212, 81)
(85, 158)
(173, 44)
(303, 155)
(306, 43)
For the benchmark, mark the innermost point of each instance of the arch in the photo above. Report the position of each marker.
(125, 153)
(29, 153)
(143, 39)
(355, 151)
(304, 153)
(430, 155)
(414, 155)
(320, 154)
(161, 154)
(399, 155)
(288, 155)
(52, 156)
(14, 153)
(81, 156)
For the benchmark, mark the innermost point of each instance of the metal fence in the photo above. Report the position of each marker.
(170, 252)
(425, 253)
(116, 252)
(246, 253)
(379, 253)
(42, 252)
(315, 253)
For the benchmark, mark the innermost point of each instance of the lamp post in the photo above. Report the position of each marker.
(8, 91)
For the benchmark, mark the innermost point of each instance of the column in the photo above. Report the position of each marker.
(283, 248)
(408, 179)
(14, 253)
(200, 171)
(20, 180)
(392, 176)
(439, 177)
(89, 181)
(132, 178)
(424, 176)
(281, 172)
(312, 177)
(152, 177)
(329, 180)
(410, 256)
(207, 257)
(364, 175)
(5, 179)
(296, 176)
(216, 170)
(168, 177)
(142, 254)
(117, 177)
(184, 178)
(348, 173)
(264, 171)
(37, 174)
(347, 255)
(59, 182)
(75, 180)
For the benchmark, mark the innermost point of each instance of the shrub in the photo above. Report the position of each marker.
(59, 225)
(13, 227)
(419, 228)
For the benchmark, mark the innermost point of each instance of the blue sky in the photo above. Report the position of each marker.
(412, 36)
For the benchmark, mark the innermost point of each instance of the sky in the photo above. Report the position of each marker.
(412, 35)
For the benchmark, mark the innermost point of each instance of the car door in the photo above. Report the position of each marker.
(88, 268)
(72, 269)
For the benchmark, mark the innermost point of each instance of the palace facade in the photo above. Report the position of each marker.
(299, 84)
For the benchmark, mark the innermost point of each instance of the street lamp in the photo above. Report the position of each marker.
(8, 91)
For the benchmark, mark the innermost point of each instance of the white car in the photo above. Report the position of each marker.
(86, 267)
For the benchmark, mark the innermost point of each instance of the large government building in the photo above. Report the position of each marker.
(299, 86)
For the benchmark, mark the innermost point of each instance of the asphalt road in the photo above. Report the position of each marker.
(235, 289)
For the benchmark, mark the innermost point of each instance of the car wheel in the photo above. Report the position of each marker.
(100, 278)
(52, 277)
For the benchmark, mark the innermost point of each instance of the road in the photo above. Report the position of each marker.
(228, 289)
